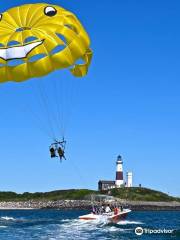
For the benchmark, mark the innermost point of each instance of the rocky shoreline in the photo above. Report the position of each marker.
(85, 204)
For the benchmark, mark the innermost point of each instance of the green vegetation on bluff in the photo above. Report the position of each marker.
(134, 194)
(142, 194)
(74, 194)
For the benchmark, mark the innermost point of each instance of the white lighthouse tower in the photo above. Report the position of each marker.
(119, 172)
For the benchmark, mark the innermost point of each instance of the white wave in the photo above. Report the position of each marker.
(65, 220)
(76, 227)
(115, 229)
(83, 230)
(125, 222)
(3, 226)
(8, 218)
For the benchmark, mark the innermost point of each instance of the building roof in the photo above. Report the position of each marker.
(107, 181)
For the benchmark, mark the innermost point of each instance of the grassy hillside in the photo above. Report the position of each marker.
(142, 194)
(135, 194)
(54, 195)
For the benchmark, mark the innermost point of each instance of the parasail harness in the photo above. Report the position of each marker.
(57, 149)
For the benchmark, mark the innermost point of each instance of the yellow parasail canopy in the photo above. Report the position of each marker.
(36, 39)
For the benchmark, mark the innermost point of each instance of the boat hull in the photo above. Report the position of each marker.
(110, 217)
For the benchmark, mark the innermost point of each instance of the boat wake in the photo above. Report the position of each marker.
(79, 229)
(8, 218)
(126, 222)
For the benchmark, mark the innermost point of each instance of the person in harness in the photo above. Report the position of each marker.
(52, 152)
(57, 149)
(61, 152)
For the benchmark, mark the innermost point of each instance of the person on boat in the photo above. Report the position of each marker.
(94, 210)
(108, 209)
(103, 209)
(116, 211)
(121, 208)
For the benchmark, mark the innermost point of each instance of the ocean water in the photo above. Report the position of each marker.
(64, 224)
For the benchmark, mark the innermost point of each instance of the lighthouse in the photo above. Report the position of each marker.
(119, 172)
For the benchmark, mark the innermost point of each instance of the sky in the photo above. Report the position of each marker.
(128, 104)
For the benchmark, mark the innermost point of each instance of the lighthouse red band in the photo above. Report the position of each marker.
(119, 176)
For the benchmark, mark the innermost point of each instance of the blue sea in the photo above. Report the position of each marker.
(64, 224)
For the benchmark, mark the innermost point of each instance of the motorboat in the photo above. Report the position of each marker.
(114, 216)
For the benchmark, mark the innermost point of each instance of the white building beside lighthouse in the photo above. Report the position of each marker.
(129, 179)
(119, 172)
